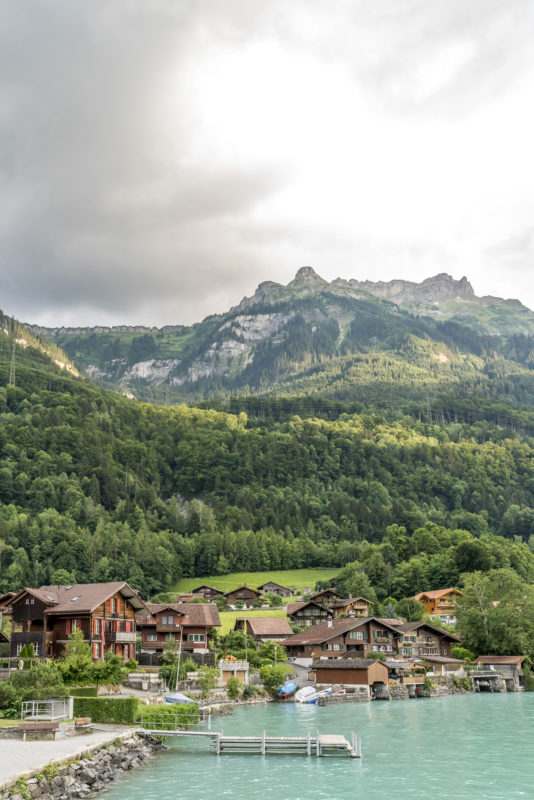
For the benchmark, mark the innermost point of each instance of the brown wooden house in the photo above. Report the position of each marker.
(351, 606)
(105, 612)
(275, 588)
(326, 596)
(245, 594)
(421, 639)
(208, 592)
(191, 623)
(340, 638)
(306, 613)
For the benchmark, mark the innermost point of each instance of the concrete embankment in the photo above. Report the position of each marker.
(78, 775)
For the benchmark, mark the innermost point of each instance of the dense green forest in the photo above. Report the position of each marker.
(94, 486)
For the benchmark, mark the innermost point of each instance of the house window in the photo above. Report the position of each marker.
(358, 635)
(97, 651)
(19, 647)
(113, 605)
(196, 637)
(97, 627)
(152, 637)
(167, 619)
(74, 624)
(169, 637)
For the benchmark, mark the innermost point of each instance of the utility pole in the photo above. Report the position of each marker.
(179, 658)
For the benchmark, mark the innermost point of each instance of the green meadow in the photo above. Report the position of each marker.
(296, 578)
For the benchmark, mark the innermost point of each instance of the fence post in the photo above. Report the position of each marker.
(70, 708)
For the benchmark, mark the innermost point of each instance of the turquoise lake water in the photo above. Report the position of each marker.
(465, 747)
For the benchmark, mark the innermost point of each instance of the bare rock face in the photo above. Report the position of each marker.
(431, 291)
(306, 276)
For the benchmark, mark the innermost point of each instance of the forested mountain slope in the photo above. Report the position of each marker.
(344, 340)
(94, 486)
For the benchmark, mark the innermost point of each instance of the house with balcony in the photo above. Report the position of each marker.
(351, 607)
(420, 639)
(275, 588)
(188, 623)
(209, 593)
(326, 597)
(306, 613)
(440, 603)
(104, 612)
(243, 594)
(344, 638)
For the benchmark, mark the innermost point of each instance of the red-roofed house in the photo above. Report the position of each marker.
(105, 612)
(440, 603)
(170, 622)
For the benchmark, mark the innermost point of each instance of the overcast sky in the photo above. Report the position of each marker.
(160, 158)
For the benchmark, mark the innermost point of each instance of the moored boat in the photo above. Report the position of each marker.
(287, 689)
(305, 693)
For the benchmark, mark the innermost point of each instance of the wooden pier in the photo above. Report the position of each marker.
(319, 745)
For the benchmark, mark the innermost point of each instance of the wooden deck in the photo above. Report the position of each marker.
(319, 745)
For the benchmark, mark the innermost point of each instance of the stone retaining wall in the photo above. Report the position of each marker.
(86, 775)
(340, 699)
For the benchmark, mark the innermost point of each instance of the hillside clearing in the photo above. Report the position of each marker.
(297, 578)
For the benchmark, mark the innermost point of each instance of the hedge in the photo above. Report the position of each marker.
(83, 691)
(107, 709)
(170, 716)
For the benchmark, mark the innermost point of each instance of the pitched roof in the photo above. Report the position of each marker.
(250, 589)
(201, 614)
(328, 591)
(204, 586)
(500, 659)
(265, 626)
(274, 583)
(443, 659)
(345, 601)
(82, 597)
(435, 594)
(292, 608)
(348, 663)
(3, 637)
(316, 634)
(406, 627)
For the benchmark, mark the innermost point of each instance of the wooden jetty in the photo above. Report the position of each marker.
(319, 745)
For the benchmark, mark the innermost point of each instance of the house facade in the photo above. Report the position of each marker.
(308, 613)
(440, 603)
(351, 606)
(104, 612)
(344, 638)
(208, 592)
(188, 623)
(421, 639)
(275, 588)
(243, 594)
(326, 597)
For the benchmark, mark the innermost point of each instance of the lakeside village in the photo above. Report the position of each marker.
(80, 662)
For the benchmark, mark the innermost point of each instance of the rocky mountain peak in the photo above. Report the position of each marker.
(306, 276)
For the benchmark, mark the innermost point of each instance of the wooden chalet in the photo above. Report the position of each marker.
(264, 628)
(306, 613)
(5, 603)
(105, 612)
(191, 623)
(440, 603)
(340, 638)
(351, 672)
(421, 639)
(351, 606)
(326, 597)
(443, 665)
(245, 594)
(275, 588)
(210, 593)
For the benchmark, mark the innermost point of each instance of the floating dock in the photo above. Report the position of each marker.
(319, 745)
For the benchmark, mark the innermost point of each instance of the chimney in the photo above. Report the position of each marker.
(330, 623)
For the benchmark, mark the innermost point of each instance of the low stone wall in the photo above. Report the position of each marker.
(443, 685)
(87, 775)
(399, 692)
(341, 699)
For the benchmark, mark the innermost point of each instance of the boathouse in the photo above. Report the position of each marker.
(351, 672)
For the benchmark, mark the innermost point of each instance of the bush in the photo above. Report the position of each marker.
(250, 691)
(131, 665)
(463, 653)
(378, 656)
(273, 677)
(121, 710)
(169, 717)
(232, 687)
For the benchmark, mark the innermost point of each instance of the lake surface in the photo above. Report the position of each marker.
(464, 747)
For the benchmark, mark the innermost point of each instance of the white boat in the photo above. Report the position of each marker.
(304, 694)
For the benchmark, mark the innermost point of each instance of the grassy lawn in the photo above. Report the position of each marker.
(9, 723)
(298, 578)
(228, 618)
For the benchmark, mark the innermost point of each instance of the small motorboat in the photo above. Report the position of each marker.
(288, 689)
(304, 694)
(177, 697)
(317, 695)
